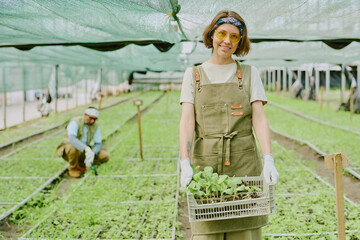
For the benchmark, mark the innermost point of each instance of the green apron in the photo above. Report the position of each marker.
(224, 138)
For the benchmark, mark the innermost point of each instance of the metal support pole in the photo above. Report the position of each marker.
(4, 95)
(351, 102)
(265, 79)
(278, 89)
(67, 92)
(269, 79)
(290, 78)
(284, 79)
(358, 76)
(327, 82)
(24, 93)
(342, 94)
(56, 87)
(307, 85)
(76, 94)
(317, 83)
(86, 89)
(273, 87)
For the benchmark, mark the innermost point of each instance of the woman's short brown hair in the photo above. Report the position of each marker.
(244, 44)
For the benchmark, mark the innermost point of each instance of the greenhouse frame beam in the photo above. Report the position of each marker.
(165, 46)
(98, 46)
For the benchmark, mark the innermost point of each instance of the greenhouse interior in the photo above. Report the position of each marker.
(164, 166)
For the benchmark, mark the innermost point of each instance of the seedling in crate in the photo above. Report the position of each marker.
(209, 187)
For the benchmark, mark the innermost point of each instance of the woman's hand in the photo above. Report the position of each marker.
(186, 172)
(270, 173)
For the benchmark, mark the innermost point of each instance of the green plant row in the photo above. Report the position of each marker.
(20, 168)
(119, 166)
(304, 204)
(138, 221)
(96, 214)
(312, 108)
(27, 162)
(110, 190)
(327, 139)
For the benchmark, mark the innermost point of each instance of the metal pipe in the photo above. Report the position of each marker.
(56, 86)
(4, 95)
(24, 93)
(342, 93)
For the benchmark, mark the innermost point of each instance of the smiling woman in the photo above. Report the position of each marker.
(222, 101)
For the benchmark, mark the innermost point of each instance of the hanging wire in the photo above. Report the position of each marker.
(175, 10)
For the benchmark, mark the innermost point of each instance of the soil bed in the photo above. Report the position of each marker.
(351, 185)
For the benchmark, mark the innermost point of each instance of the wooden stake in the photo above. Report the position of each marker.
(101, 96)
(137, 103)
(337, 161)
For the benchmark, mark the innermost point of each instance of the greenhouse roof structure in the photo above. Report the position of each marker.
(165, 35)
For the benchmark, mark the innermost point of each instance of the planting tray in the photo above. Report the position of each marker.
(249, 207)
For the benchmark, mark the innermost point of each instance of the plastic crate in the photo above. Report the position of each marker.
(263, 205)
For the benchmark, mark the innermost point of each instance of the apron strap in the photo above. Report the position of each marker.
(239, 75)
(196, 77)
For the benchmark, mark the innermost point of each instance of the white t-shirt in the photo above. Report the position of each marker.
(221, 74)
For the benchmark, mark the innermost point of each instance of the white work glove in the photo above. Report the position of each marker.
(270, 173)
(186, 172)
(89, 157)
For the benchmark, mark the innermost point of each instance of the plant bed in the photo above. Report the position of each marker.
(212, 197)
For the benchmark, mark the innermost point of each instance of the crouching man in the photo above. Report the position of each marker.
(81, 134)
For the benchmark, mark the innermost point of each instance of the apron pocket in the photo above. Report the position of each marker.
(215, 119)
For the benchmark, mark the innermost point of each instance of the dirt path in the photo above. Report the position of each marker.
(351, 185)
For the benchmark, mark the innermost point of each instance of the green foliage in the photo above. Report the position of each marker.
(214, 188)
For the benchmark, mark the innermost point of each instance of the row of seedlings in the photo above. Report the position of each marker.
(322, 138)
(312, 110)
(306, 204)
(30, 169)
(131, 198)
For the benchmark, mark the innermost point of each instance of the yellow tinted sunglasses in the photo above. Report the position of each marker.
(222, 35)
